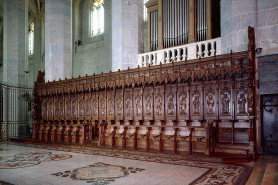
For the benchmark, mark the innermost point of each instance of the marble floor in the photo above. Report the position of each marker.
(36, 163)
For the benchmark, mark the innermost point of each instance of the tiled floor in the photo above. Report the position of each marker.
(53, 164)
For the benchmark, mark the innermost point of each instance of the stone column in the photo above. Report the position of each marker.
(58, 39)
(127, 33)
(1, 51)
(38, 65)
(14, 44)
(192, 21)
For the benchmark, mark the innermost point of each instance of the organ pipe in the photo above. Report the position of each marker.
(175, 21)
(201, 20)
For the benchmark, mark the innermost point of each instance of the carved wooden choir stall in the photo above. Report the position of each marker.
(191, 105)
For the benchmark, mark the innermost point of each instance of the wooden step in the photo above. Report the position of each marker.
(233, 145)
(257, 175)
(232, 150)
(271, 174)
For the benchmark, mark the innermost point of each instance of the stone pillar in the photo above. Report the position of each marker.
(1, 51)
(14, 44)
(127, 33)
(192, 21)
(38, 65)
(58, 40)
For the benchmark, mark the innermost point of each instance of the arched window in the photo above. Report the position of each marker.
(97, 17)
(31, 39)
(145, 10)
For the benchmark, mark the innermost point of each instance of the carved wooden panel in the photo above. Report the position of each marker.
(74, 107)
(159, 103)
(119, 105)
(87, 110)
(110, 105)
(225, 100)
(81, 107)
(67, 107)
(50, 108)
(148, 103)
(196, 101)
(102, 105)
(241, 99)
(45, 108)
(61, 108)
(56, 107)
(170, 97)
(138, 104)
(183, 102)
(128, 104)
(211, 100)
(95, 105)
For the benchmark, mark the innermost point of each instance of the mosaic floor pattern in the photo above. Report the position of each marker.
(30, 159)
(99, 173)
(100, 166)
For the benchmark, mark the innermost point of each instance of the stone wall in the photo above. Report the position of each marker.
(118, 46)
(93, 55)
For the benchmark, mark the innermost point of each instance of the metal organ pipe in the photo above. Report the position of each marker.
(175, 22)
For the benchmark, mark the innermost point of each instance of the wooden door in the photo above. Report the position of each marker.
(270, 124)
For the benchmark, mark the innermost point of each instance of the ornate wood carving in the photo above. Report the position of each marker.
(74, 107)
(119, 105)
(95, 105)
(241, 99)
(45, 108)
(196, 102)
(111, 105)
(211, 102)
(56, 107)
(148, 103)
(50, 108)
(225, 100)
(67, 107)
(138, 104)
(183, 102)
(81, 107)
(61, 108)
(102, 105)
(87, 110)
(170, 97)
(128, 104)
(159, 103)
(182, 92)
